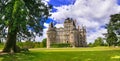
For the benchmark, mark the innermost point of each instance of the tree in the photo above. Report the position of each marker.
(113, 29)
(114, 24)
(112, 39)
(44, 42)
(99, 42)
(21, 18)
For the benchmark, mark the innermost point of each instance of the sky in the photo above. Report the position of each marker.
(93, 14)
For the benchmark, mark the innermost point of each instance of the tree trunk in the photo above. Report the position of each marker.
(11, 41)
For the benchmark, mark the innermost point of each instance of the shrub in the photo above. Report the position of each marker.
(27, 44)
(30, 44)
(60, 45)
(38, 45)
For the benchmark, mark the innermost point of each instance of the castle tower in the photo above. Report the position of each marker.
(74, 36)
(67, 29)
(51, 35)
(84, 43)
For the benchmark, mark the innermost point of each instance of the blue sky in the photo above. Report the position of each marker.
(118, 2)
(59, 3)
(93, 14)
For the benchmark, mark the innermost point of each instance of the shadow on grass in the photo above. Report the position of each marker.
(24, 56)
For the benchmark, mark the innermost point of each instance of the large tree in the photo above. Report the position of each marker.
(21, 18)
(113, 29)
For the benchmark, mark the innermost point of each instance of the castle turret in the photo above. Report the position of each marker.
(74, 36)
(67, 28)
(51, 35)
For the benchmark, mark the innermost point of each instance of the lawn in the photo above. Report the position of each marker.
(1, 46)
(66, 54)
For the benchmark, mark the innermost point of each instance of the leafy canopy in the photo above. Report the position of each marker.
(24, 16)
(113, 29)
(114, 24)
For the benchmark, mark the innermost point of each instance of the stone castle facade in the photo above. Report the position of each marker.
(75, 36)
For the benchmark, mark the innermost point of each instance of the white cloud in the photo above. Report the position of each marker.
(91, 13)
(46, 25)
(93, 35)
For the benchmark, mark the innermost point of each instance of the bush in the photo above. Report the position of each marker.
(27, 44)
(30, 44)
(60, 45)
(38, 45)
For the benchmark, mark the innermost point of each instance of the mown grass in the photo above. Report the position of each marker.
(1, 46)
(66, 54)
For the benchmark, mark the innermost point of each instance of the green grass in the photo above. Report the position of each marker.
(1, 46)
(66, 54)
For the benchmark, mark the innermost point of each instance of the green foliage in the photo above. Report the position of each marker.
(20, 44)
(22, 16)
(44, 42)
(27, 44)
(90, 45)
(38, 45)
(114, 24)
(30, 44)
(98, 42)
(113, 29)
(112, 39)
(23, 19)
(60, 45)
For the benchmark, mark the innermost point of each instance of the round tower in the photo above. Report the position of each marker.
(51, 35)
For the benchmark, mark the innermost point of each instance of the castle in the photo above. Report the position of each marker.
(75, 36)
